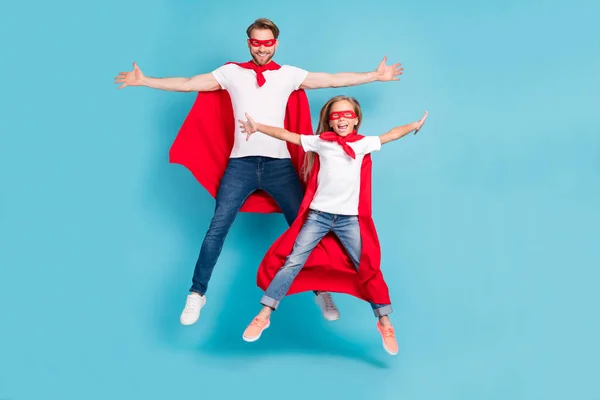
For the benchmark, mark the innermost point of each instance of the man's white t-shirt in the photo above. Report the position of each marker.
(266, 104)
(338, 185)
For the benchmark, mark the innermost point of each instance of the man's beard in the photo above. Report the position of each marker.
(257, 62)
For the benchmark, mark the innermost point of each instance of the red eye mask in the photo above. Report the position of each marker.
(339, 114)
(258, 43)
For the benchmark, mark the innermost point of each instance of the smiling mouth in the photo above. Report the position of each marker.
(342, 126)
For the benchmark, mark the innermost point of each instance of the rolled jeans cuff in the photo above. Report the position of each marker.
(269, 302)
(383, 310)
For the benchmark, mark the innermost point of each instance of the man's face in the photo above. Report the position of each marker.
(259, 42)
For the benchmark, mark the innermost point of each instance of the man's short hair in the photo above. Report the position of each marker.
(264, 23)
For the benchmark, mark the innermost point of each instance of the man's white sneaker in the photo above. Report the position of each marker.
(328, 308)
(191, 312)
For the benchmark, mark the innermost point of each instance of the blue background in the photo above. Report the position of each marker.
(488, 218)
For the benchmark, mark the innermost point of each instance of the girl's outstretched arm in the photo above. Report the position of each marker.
(399, 131)
(250, 126)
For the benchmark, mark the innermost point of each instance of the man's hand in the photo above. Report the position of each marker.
(249, 126)
(131, 78)
(388, 72)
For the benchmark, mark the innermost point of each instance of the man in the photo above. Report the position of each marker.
(264, 90)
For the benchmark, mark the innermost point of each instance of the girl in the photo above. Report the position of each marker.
(337, 201)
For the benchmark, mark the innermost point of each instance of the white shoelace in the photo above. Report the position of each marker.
(329, 306)
(191, 305)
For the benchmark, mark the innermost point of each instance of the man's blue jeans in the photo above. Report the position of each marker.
(317, 225)
(243, 176)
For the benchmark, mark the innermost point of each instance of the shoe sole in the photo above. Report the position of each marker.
(332, 319)
(389, 351)
(189, 323)
(254, 339)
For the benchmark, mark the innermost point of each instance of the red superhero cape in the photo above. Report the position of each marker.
(205, 140)
(329, 267)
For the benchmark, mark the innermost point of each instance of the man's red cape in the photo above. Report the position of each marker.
(204, 142)
(329, 267)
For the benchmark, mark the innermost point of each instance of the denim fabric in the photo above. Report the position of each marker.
(243, 176)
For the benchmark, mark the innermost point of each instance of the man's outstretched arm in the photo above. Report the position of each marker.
(198, 83)
(383, 73)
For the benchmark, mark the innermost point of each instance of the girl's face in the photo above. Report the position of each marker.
(342, 118)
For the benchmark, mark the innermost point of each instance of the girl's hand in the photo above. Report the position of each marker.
(248, 127)
(420, 122)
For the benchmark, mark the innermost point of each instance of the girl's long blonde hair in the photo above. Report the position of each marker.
(323, 126)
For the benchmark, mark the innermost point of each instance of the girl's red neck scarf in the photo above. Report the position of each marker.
(343, 140)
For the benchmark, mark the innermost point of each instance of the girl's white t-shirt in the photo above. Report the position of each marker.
(338, 185)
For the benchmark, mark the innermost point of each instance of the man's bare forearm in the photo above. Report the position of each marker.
(170, 84)
(352, 78)
(198, 83)
(317, 80)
